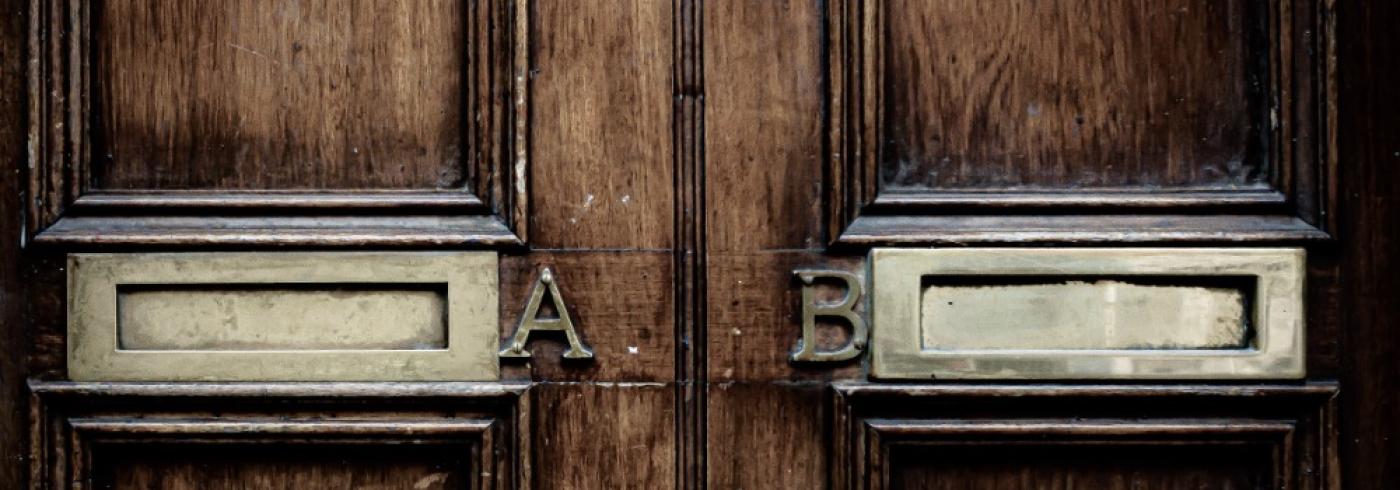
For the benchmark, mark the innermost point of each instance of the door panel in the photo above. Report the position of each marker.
(1019, 436)
(302, 435)
(219, 95)
(1071, 95)
(663, 170)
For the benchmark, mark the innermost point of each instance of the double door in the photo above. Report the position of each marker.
(657, 244)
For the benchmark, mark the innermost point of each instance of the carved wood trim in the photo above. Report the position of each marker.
(1300, 148)
(73, 422)
(878, 230)
(59, 187)
(1296, 424)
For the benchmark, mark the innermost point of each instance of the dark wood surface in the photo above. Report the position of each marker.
(282, 468)
(601, 127)
(1099, 436)
(328, 94)
(1368, 307)
(1106, 467)
(280, 435)
(673, 163)
(1046, 100)
(14, 328)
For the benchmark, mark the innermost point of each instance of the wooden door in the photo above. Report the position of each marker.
(682, 185)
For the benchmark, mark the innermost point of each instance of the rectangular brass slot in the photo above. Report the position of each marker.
(274, 317)
(1087, 313)
(283, 316)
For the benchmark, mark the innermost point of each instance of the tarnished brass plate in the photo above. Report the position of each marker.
(1022, 313)
(279, 316)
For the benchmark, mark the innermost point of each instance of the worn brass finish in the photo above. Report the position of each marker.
(298, 316)
(844, 309)
(530, 322)
(1141, 313)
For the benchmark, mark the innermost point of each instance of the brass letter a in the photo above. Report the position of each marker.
(531, 322)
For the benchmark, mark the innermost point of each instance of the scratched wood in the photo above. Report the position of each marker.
(601, 129)
(764, 214)
(605, 435)
(324, 94)
(753, 448)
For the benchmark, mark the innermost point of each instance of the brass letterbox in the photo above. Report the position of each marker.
(1125, 313)
(300, 316)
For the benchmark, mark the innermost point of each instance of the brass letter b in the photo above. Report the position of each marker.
(846, 309)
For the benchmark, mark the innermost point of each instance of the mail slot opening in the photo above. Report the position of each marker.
(1087, 312)
(281, 317)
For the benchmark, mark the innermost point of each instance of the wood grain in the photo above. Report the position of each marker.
(1070, 94)
(605, 436)
(763, 126)
(1370, 238)
(764, 185)
(602, 173)
(324, 94)
(766, 435)
(13, 352)
(43, 313)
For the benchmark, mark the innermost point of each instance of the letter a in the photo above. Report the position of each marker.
(531, 322)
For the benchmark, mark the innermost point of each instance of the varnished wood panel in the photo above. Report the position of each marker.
(601, 142)
(1102, 467)
(1035, 110)
(326, 94)
(1028, 436)
(71, 146)
(620, 302)
(764, 182)
(763, 120)
(282, 468)
(1070, 94)
(279, 435)
(766, 435)
(605, 436)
